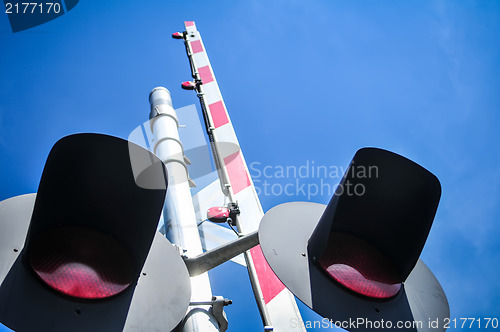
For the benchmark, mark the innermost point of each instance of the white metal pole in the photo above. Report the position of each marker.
(180, 219)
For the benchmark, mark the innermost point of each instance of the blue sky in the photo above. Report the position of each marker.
(303, 82)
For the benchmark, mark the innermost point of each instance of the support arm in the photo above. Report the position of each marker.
(210, 259)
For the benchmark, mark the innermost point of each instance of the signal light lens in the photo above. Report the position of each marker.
(82, 263)
(188, 85)
(360, 267)
(177, 35)
(218, 214)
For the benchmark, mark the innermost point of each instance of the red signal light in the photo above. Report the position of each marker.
(218, 214)
(177, 35)
(188, 85)
(360, 267)
(82, 263)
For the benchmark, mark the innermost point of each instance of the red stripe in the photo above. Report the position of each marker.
(205, 74)
(238, 176)
(219, 115)
(269, 283)
(188, 23)
(196, 46)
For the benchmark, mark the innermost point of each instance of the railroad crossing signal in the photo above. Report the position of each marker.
(357, 259)
(83, 253)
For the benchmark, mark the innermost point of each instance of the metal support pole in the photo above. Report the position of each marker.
(180, 220)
